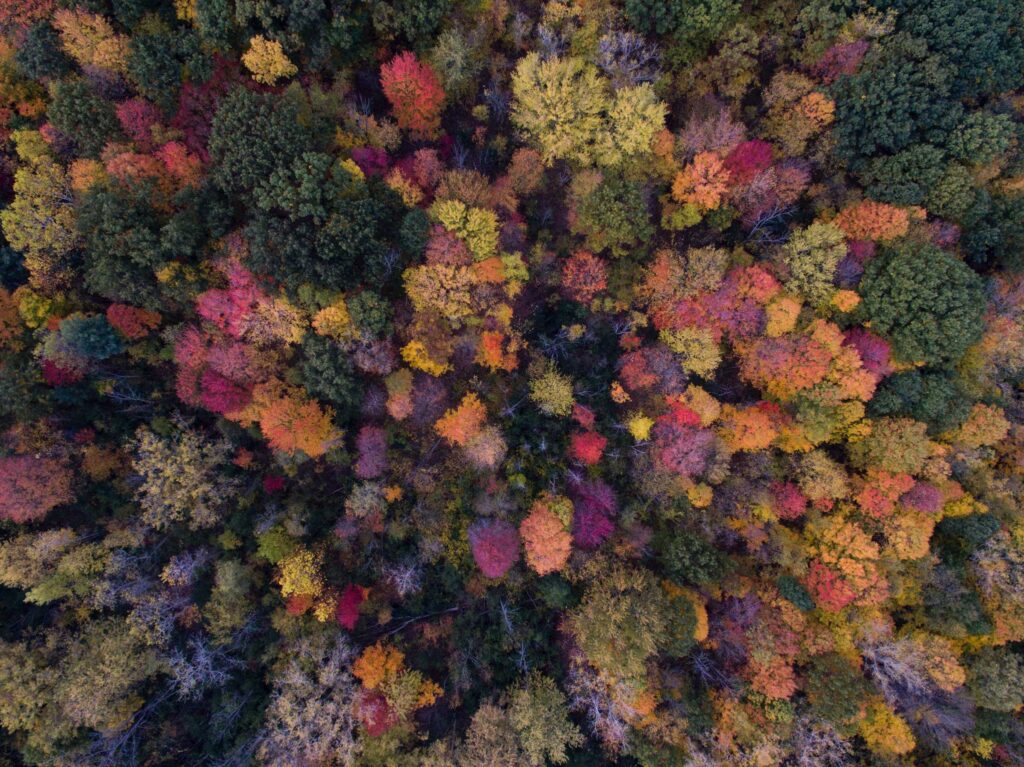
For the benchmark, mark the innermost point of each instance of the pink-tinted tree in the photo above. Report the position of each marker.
(372, 444)
(31, 487)
(495, 545)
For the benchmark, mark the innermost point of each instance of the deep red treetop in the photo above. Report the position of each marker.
(415, 93)
(747, 160)
(587, 447)
(348, 606)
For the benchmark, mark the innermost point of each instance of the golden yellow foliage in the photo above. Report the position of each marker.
(300, 574)
(415, 353)
(378, 664)
(90, 40)
(886, 733)
(267, 61)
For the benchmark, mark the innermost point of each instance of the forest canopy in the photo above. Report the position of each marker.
(511, 383)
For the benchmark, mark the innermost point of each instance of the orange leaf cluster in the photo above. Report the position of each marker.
(870, 220)
(704, 182)
(462, 424)
(290, 422)
(377, 664)
(545, 538)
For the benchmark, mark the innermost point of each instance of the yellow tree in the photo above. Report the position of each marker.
(40, 221)
(267, 61)
(559, 105)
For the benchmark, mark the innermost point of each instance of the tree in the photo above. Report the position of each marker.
(446, 291)
(635, 117)
(873, 117)
(300, 574)
(456, 62)
(552, 391)
(702, 183)
(587, 447)
(267, 61)
(996, 679)
(981, 138)
(251, 136)
(90, 679)
(90, 39)
(120, 231)
(583, 276)
(462, 424)
(935, 398)
(78, 112)
(157, 61)
(32, 487)
(348, 606)
(906, 177)
(415, 94)
(371, 442)
(25, 11)
(328, 374)
(491, 740)
(559, 105)
(101, 671)
(836, 690)
(692, 26)
(621, 622)
(785, 366)
(180, 479)
(230, 603)
(292, 423)
(928, 304)
(812, 255)
(611, 214)
(870, 220)
(90, 337)
(476, 227)
(40, 221)
(546, 538)
(414, 20)
(27, 706)
(537, 710)
(747, 160)
(885, 733)
(131, 322)
(495, 546)
(982, 42)
(845, 571)
(40, 55)
(311, 718)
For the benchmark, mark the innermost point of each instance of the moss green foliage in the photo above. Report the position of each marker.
(935, 398)
(692, 26)
(926, 301)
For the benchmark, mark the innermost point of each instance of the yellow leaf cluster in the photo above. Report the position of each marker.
(334, 321)
(90, 40)
(477, 227)
(886, 733)
(300, 574)
(416, 355)
(267, 61)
